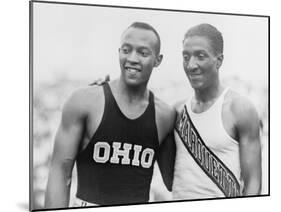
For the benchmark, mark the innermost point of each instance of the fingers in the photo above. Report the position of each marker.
(97, 82)
(100, 81)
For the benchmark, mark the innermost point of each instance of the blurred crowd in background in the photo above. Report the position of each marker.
(48, 99)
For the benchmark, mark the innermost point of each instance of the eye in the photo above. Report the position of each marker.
(144, 53)
(186, 57)
(201, 56)
(125, 49)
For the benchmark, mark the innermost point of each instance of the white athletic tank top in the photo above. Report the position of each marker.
(205, 172)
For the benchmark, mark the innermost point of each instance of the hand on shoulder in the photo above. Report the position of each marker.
(100, 81)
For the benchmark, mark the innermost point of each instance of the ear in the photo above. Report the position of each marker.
(219, 61)
(158, 60)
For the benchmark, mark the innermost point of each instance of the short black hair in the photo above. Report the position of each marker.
(142, 25)
(210, 32)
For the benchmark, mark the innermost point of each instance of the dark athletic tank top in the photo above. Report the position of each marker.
(117, 165)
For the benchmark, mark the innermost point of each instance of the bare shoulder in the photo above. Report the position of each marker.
(242, 108)
(79, 102)
(165, 112)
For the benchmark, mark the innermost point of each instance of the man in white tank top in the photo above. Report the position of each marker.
(217, 131)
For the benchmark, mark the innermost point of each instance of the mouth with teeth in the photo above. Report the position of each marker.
(132, 70)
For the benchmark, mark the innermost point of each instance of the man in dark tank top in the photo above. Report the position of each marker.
(115, 132)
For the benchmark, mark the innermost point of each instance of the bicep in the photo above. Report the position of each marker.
(167, 145)
(165, 118)
(250, 156)
(66, 144)
(250, 162)
(249, 142)
(67, 138)
(166, 160)
(248, 130)
(167, 152)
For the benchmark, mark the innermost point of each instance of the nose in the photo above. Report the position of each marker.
(133, 57)
(192, 64)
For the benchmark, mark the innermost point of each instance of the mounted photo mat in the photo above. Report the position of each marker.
(183, 114)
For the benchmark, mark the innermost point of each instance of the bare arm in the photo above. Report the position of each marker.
(166, 157)
(250, 147)
(65, 149)
(166, 160)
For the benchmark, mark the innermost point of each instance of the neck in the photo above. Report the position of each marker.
(209, 93)
(132, 93)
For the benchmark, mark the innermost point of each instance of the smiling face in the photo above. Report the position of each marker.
(138, 55)
(200, 62)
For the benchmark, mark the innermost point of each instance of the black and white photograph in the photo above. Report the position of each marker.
(133, 105)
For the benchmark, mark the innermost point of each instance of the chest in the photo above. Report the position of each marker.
(111, 123)
(217, 115)
(215, 126)
(199, 107)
